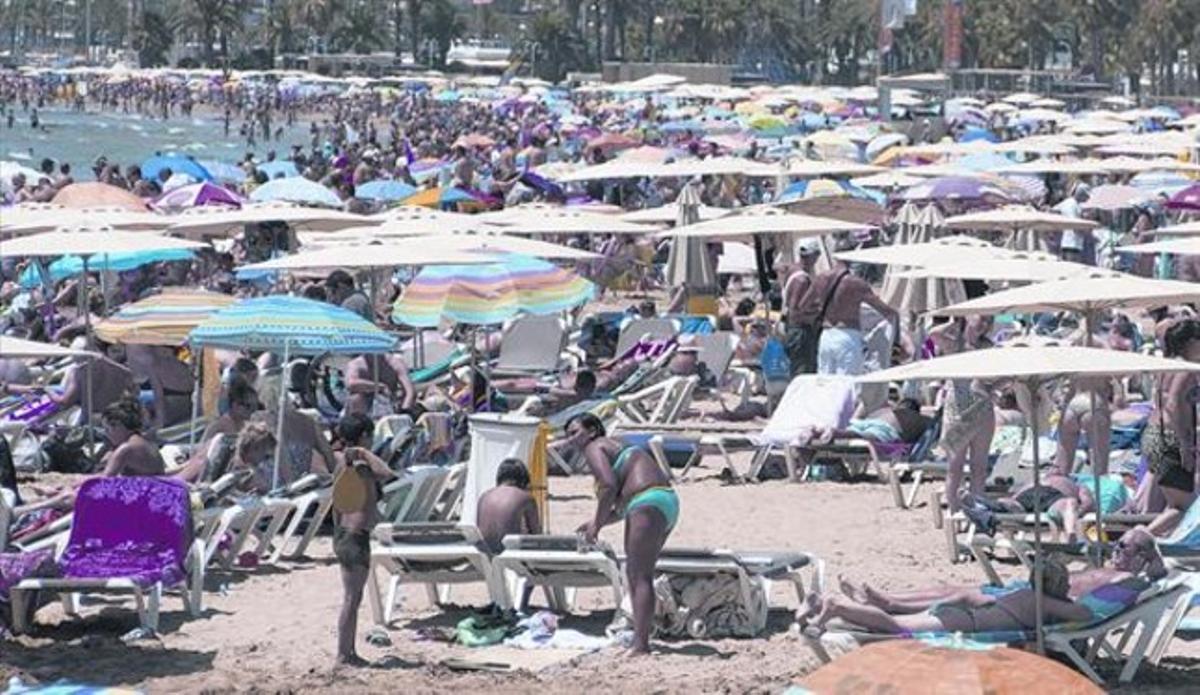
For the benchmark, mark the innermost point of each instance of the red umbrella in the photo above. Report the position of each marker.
(611, 142)
(1187, 199)
(93, 194)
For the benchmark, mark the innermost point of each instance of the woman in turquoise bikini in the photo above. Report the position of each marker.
(629, 485)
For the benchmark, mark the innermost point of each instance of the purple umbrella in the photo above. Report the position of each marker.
(957, 188)
(195, 195)
(1187, 199)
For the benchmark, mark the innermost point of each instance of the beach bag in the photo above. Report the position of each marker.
(65, 451)
(804, 330)
(26, 450)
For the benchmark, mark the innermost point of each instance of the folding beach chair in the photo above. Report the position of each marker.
(560, 565)
(437, 555)
(130, 535)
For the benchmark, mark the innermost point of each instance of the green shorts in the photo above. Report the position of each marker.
(664, 499)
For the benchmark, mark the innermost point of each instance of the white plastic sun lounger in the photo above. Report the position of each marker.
(560, 565)
(437, 555)
(531, 345)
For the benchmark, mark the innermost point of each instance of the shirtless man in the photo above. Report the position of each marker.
(394, 385)
(795, 287)
(841, 349)
(132, 453)
(170, 380)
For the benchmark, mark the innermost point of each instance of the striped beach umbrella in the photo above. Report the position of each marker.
(163, 319)
(291, 325)
(490, 293)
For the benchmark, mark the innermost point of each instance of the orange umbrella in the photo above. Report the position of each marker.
(903, 667)
(91, 194)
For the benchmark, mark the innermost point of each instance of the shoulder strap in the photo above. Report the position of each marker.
(829, 297)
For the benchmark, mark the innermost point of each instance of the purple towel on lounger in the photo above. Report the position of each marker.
(15, 567)
(136, 528)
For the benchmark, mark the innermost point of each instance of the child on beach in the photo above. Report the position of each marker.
(355, 502)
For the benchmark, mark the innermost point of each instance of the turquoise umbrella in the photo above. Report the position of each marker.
(70, 266)
(296, 190)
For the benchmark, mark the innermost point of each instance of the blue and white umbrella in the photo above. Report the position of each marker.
(296, 190)
(178, 164)
(280, 167)
(386, 190)
(281, 323)
(121, 261)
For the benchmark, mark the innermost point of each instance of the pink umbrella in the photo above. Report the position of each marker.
(1112, 197)
(1187, 199)
(195, 195)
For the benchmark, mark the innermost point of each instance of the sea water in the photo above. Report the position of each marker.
(79, 138)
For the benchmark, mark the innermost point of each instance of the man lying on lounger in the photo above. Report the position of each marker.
(988, 609)
(1065, 499)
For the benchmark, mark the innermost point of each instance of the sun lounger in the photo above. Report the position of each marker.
(1109, 634)
(449, 502)
(634, 330)
(313, 495)
(437, 555)
(531, 345)
(412, 496)
(130, 535)
(560, 565)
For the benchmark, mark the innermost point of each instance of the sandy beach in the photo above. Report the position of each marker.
(272, 629)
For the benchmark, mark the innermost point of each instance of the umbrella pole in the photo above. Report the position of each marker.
(1037, 523)
(279, 421)
(197, 393)
(84, 304)
(1098, 560)
(104, 285)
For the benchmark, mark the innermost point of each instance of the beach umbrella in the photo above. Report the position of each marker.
(918, 253)
(386, 190)
(279, 168)
(10, 169)
(688, 263)
(1186, 246)
(91, 194)
(474, 140)
(913, 295)
(491, 293)
(19, 348)
(806, 189)
(196, 195)
(1013, 218)
(1111, 197)
(177, 164)
(837, 200)
(1187, 199)
(1084, 295)
(559, 220)
(114, 262)
(222, 171)
(669, 213)
(1161, 182)
(212, 221)
(29, 219)
(396, 253)
(296, 190)
(957, 188)
(765, 220)
(888, 180)
(962, 667)
(84, 241)
(1022, 267)
(162, 319)
(611, 142)
(1181, 229)
(291, 326)
(816, 168)
(1033, 367)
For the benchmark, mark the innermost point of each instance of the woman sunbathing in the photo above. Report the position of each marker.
(974, 609)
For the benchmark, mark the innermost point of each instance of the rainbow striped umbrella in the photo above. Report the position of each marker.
(291, 325)
(163, 319)
(490, 293)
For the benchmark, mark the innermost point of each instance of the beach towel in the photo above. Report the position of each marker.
(139, 528)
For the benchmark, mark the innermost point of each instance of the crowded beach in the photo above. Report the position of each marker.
(649, 386)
